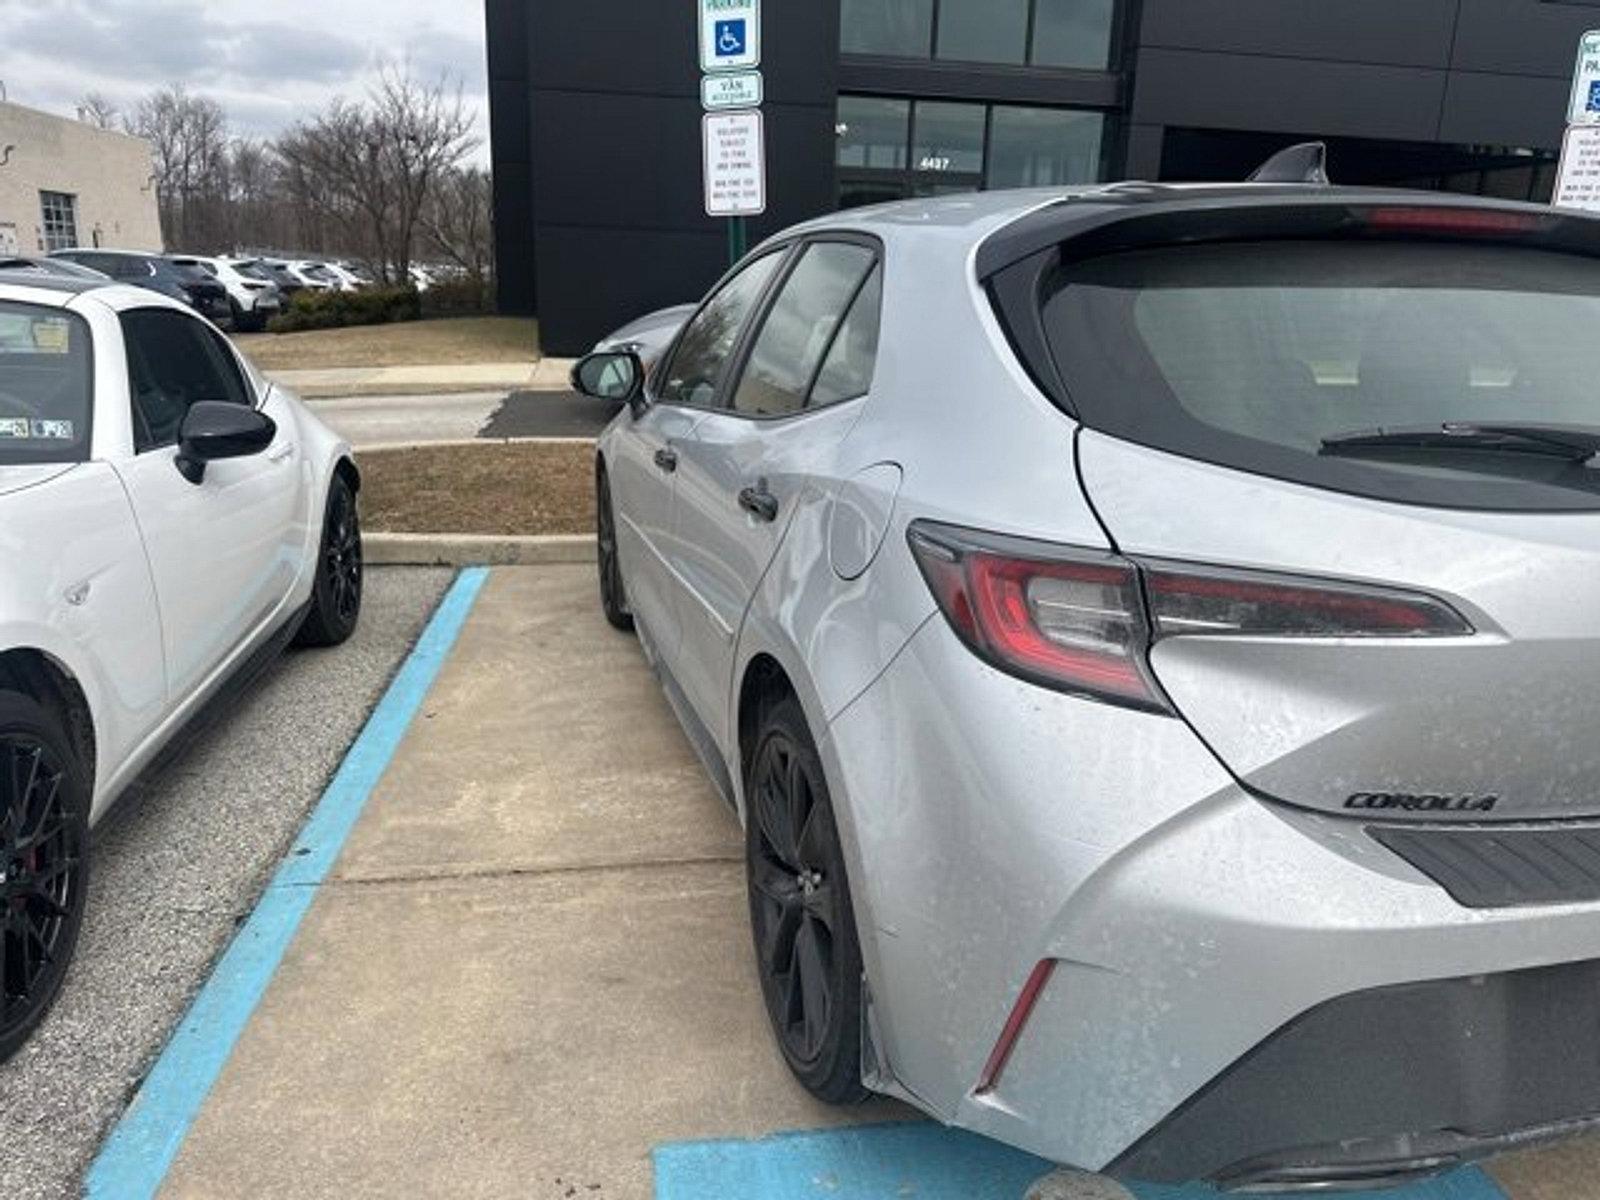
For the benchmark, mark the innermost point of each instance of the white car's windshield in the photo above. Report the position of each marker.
(45, 385)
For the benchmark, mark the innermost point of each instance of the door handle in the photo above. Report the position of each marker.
(759, 503)
(667, 460)
(282, 454)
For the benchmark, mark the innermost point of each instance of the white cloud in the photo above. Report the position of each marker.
(268, 65)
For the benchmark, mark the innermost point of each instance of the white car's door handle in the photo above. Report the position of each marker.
(282, 454)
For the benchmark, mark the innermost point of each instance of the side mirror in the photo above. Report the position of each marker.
(214, 430)
(615, 375)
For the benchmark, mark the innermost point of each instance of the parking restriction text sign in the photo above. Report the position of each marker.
(742, 89)
(735, 164)
(1578, 184)
(730, 35)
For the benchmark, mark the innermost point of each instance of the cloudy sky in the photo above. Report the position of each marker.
(268, 62)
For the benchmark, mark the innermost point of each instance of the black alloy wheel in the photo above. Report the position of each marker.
(800, 911)
(44, 869)
(336, 594)
(613, 594)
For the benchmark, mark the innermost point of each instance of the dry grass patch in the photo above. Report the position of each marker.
(443, 343)
(496, 488)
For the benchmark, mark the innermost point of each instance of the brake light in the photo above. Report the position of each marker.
(1072, 620)
(1452, 221)
(1083, 621)
(1188, 600)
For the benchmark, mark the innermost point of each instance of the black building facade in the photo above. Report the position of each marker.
(596, 115)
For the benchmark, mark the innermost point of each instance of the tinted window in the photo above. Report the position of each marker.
(46, 395)
(706, 344)
(1040, 147)
(873, 132)
(983, 30)
(947, 137)
(853, 358)
(1250, 355)
(800, 328)
(901, 28)
(1073, 33)
(175, 361)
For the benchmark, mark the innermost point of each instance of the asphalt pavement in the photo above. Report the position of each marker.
(374, 421)
(176, 867)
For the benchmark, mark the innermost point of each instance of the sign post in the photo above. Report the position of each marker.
(733, 133)
(1578, 180)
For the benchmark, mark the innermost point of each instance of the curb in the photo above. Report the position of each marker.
(434, 444)
(476, 550)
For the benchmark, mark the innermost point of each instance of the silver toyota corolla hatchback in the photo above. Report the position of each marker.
(1152, 635)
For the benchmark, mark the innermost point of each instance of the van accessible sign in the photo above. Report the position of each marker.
(735, 164)
(730, 35)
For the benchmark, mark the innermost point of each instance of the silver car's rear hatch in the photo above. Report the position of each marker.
(1502, 724)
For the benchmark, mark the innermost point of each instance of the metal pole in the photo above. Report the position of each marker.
(738, 242)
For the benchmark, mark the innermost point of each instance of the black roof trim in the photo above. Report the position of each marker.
(1166, 214)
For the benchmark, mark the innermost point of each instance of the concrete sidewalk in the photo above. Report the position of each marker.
(531, 965)
(342, 382)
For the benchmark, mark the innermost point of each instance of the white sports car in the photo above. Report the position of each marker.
(167, 517)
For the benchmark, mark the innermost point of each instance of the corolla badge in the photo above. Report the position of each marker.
(1407, 802)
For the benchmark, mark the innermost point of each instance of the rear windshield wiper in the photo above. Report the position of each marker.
(1572, 442)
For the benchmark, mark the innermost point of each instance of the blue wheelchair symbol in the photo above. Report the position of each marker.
(1594, 97)
(731, 38)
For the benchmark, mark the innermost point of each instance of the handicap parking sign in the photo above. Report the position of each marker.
(731, 37)
(1594, 96)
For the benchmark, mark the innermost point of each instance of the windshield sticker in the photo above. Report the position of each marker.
(52, 336)
(54, 431)
(15, 428)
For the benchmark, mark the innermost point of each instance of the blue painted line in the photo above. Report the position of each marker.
(135, 1159)
(922, 1160)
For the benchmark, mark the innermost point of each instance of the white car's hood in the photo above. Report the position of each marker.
(15, 479)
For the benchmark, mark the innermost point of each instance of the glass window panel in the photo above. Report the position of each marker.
(60, 213)
(983, 31)
(947, 137)
(1041, 147)
(896, 28)
(854, 357)
(697, 368)
(873, 133)
(1073, 33)
(800, 328)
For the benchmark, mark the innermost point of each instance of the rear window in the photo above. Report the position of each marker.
(45, 385)
(1251, 354)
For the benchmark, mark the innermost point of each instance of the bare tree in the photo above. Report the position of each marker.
(370, 168)
(458, 221)
(189, 138)
(95, 109)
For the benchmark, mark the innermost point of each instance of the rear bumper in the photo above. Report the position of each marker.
(993, 825)
(1393, 1082)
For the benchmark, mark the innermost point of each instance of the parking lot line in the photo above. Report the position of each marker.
(135, 1158)
(928, 1161)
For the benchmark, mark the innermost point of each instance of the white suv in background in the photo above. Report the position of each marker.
(252, 295)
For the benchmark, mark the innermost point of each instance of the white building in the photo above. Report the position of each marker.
(65, 183)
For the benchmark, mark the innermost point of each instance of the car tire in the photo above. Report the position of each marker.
(336, 592)
(613, 591)
(44, 863)
(801, 918)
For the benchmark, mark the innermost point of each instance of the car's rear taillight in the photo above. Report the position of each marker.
(1070, 619)
(1083, 621)
(1188, 600)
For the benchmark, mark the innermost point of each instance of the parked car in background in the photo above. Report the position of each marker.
(253, 299)
(51, 266)
(278, 272)
(1149, 634)
(348, 279)
(189, 285)
(168, 517)
(313, 276)
(422, 278)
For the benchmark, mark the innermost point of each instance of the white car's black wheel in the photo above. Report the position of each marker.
(341, 572)
(800, 914)
(613, 595)
(44, 864)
